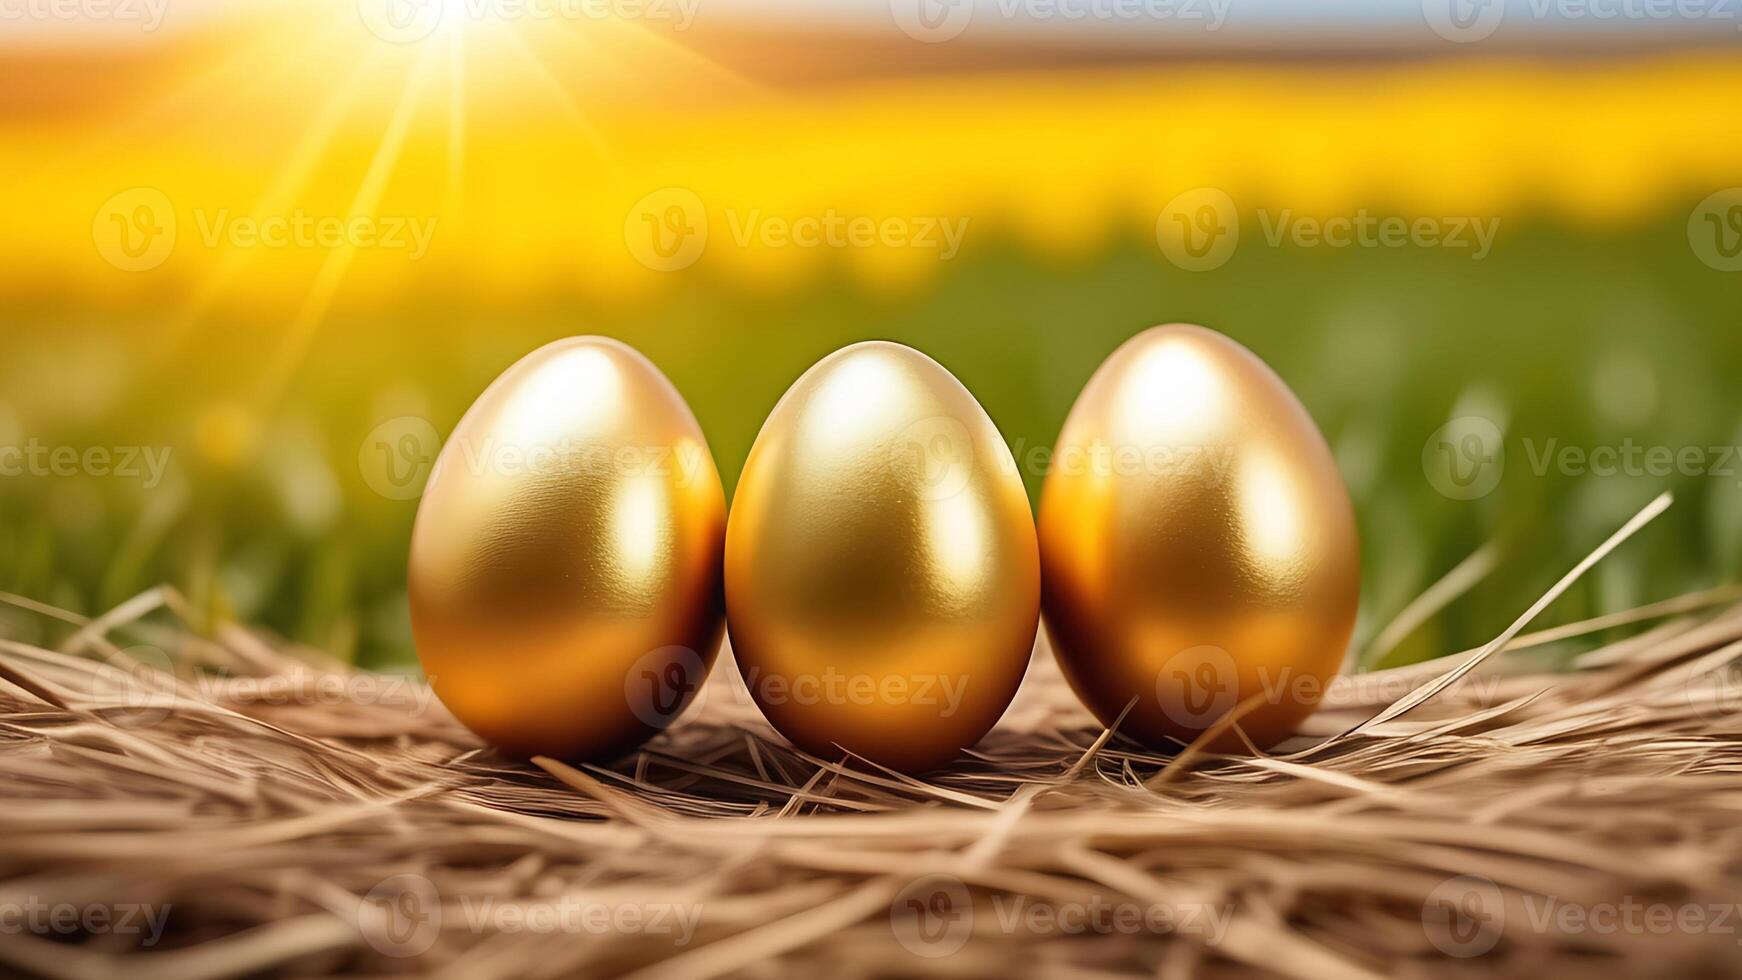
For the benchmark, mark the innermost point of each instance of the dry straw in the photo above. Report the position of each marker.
(275, 812)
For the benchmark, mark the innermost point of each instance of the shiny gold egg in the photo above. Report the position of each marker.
(882, 573)
(1198, 547)
(565, 566)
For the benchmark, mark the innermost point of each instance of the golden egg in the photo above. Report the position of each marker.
(565, 566)
(882, 574)
(1198, 545)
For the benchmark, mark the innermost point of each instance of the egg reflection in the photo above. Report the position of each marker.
(1198, 545)
(882, 575)
(565, 566)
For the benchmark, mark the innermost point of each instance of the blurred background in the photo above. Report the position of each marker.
(259, 257)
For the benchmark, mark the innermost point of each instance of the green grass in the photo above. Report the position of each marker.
(1583, 337)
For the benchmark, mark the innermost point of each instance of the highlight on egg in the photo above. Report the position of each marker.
(1198, 546)
(565, 566)
(882, 570)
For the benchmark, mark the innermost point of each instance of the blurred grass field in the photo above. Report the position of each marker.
(1568, 335)
(280, 384)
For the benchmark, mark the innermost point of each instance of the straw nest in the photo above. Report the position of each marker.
(236, 806)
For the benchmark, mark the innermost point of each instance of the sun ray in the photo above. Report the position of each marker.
(454, 201)
(564, 98)
(288, 180)
(300, 332)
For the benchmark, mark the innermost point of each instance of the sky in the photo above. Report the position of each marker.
(107, 21)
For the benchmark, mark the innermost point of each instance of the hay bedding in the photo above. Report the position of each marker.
(358, 831)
